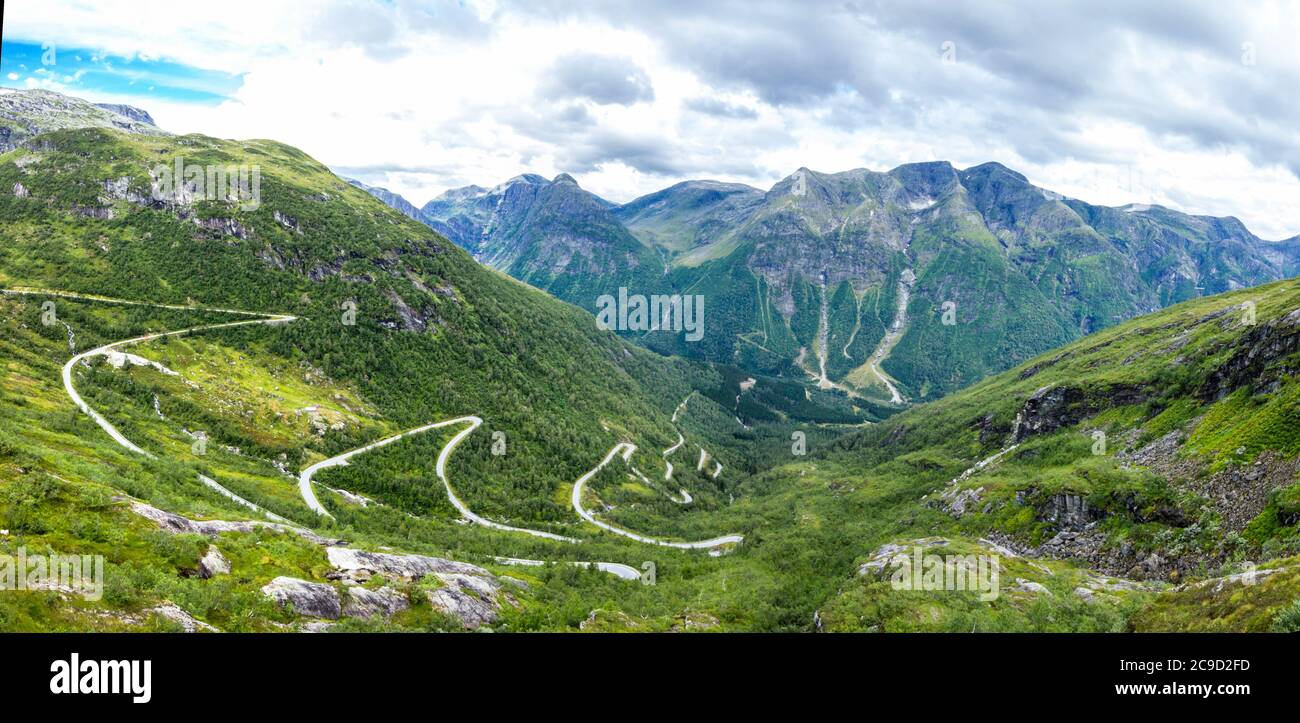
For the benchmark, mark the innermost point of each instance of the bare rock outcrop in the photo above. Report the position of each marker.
(213, 563)
(361, 565)
(886, 554)
(1255, 358)
(175, 523)
(167, 610)
(173, 612)
(1056, 406)
(958, 502)
(311, 599)
(467, 592)
(470, 598)
(1069, 511)
(384, 602)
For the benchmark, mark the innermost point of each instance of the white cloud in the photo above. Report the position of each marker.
(419, 98)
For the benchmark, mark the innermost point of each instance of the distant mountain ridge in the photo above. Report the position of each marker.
(549, 233)
(805, 279)
(689, 214)
(392, 200)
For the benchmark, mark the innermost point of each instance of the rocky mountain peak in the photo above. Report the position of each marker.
(928, 180)
(531, 179)
(829, 258)
(993, 169)
(129, 111)
(26, 113)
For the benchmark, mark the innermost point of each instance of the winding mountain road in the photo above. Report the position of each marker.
(105, 350)
(305, 478)
(668, 472)
(626, 450)
(309, 496)
(618, 569)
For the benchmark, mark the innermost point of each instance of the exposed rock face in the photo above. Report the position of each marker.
(998, 548)
(188, 623)
(1161, 456)
(168, 611)
(32, 112)
(1023, 585)
(990, 431)
(543, 226)
(384, 602)
(468, 592)
(1070, 511)
(551, 234)
(600, 620)
(884, 555)
(1260, 348)
(701, 621)
(118, 360)
(211, 528)
(1241, 492)
(360, 565)
(468, 597)
(129, 112)
(959, 501)
(840, 227)
(224, 227)
(1053, 407)
(311, 599)
(100, 212)
(213, 563)
(1238, 492)
(119, 189)
(1096, 588)
(289, 222)
(409, 318)
(391, 200)
(1092, 547)
(1246, 578)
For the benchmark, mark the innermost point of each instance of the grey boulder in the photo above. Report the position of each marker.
(311, 599)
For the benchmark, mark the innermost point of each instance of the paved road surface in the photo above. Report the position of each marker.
(626, 449)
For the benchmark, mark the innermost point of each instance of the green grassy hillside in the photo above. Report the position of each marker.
(1123, 475)
(435, 336)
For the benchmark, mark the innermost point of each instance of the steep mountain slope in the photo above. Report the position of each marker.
(1124, 480)
(1159, 453)
(1285, 255)
(806, 279)
(390, 199)
(394, 328)
(1018, 270)
(130, 112)
(689, 214)
(551, 234)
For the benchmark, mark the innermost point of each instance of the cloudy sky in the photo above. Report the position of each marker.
(1193, 105)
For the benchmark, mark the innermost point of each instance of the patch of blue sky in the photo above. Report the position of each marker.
(85, 70)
